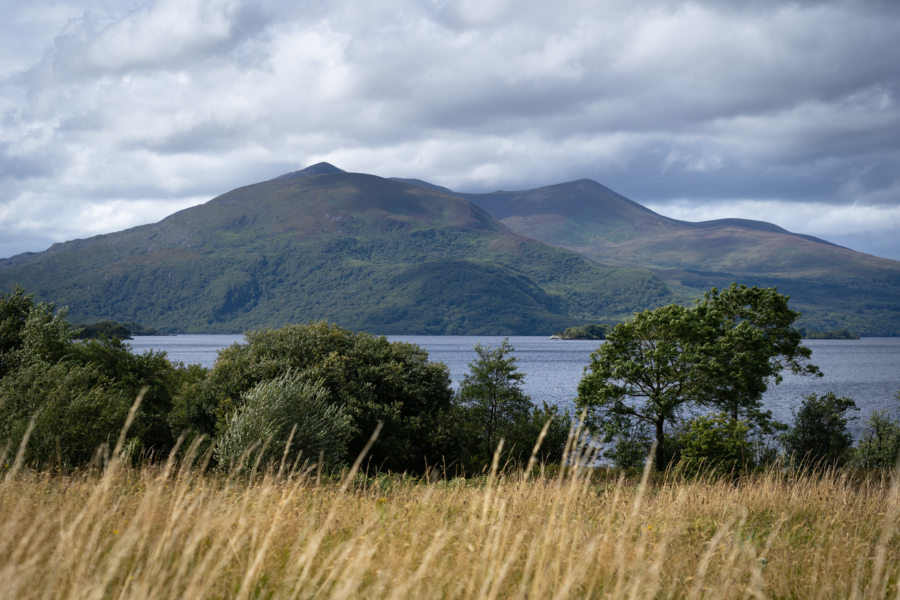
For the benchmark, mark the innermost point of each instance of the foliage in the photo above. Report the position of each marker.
(590, 331)
(492, 407)
(719, 354)
(552, 449)
(14, 310)
(373, 379)
(112, 329)
(716, 444)
(76, 395)
(492, 394)
(749, 340)
(641, 378)
(629, 447)
(819, 434)
(879, 444)
(284, 419)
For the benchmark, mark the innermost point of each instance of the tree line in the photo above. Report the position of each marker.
(685, 381)
(303, 392)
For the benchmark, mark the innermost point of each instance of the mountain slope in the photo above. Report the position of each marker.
(834, 286)
(360, 250)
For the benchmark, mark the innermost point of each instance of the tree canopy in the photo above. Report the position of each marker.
(819, 434)
(373, 379)
(749, 339)
(494, 407)
(642, 376)
(720, 354)
(76, 395)
(492, 392)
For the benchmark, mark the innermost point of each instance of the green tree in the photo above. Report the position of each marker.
(640, 379)
(748, 340)
(492, 393)
(30, 330)
(722, 353)
(14, 309)
(77, 393)
(283, 411)
(879, 444)
(374, 379)
(819, 434)
(716, 444)
(526, 433)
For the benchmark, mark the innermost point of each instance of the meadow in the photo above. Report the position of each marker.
(174, 530)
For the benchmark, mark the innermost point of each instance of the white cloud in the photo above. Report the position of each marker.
(799, 217)
(166, 102)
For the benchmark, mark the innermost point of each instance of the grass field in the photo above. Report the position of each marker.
(173, 532)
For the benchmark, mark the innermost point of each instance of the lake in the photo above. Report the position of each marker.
(866, 370)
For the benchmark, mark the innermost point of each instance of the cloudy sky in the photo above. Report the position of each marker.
(115, 113)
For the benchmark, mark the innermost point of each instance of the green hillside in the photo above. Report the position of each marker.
(406, 256)
(362, 251)
(834, 287)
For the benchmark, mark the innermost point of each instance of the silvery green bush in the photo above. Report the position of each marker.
(260, 429)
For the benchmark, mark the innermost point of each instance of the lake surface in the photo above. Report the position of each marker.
(866, 370)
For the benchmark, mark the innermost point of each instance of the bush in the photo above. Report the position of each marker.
(716, 444)
(283, 411)
(819, 434)
(73, 415)
(525, 433)
(78, 394)
(879, 445)
(373, 379)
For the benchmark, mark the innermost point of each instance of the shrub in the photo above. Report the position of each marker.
(879, 445)
(716, 444)
(525, 433)
(819, 434)
(373, 379)
(77, 393)
(285, 417)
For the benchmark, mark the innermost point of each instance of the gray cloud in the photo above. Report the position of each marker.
(698, 108)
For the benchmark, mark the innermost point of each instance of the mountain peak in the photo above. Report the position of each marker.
(321, 168)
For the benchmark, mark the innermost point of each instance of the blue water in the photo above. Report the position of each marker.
(866, 370)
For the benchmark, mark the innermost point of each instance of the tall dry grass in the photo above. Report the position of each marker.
(171, 531)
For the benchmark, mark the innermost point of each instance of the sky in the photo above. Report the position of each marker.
(116, 113)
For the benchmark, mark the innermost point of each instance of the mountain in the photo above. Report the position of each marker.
(389, 256)
(833, 286)
(407, 256)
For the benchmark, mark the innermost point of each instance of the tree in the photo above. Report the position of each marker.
(77, 394)
(748, 340)
(721, 354)
(640, 379)
(492, 392)
(495, 407)
(879, 444)
(819, 434)
(716, 444)
(283, 411)
(373, 379)
(31, 330)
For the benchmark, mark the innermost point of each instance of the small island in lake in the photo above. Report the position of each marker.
(112, 329)
(836, 334)
(590, 331)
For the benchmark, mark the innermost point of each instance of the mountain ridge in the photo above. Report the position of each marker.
(357, 249)
(405, 256)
